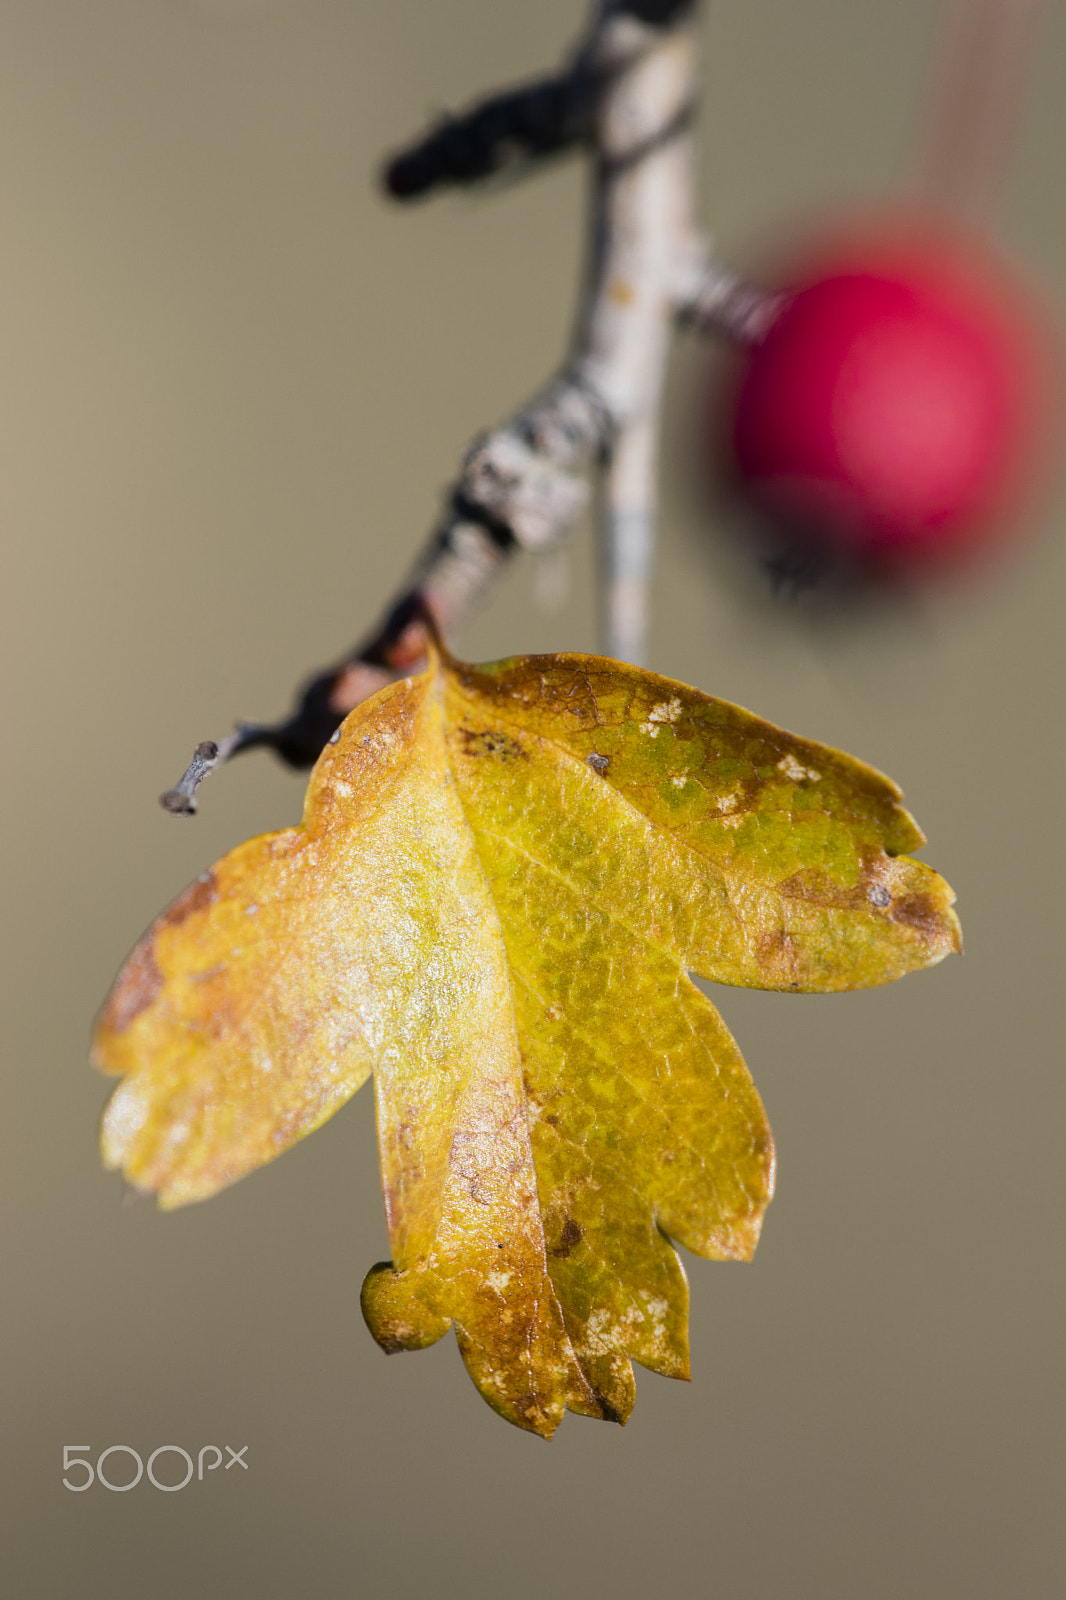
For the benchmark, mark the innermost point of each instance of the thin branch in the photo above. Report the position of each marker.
(519, 489)
(520, 125)
(631, 91)
(720, 303)
(646, 244)
(180, 801)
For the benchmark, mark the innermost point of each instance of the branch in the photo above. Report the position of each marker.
(721, 303)
(520, 125)
(630, 95)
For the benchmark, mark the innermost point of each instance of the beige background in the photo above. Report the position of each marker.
(234, 382)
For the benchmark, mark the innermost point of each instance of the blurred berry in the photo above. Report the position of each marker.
(897, 412)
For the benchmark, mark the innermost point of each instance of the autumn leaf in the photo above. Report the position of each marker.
(502, 879)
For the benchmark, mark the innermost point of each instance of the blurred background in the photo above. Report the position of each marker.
(235, 381)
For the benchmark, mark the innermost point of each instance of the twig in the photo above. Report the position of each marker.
(629, 94)
(721, 303)
(520, 125)
(180, 801)
(648, 244)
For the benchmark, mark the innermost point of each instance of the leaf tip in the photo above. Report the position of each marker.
(397, 1318)
(922, 907)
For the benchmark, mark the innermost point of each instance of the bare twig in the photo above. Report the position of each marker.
(720, 303)
(629, 94)
(520, 125)
(646, 244)
(181, 800)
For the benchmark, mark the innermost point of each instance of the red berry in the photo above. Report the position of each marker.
(898, 403)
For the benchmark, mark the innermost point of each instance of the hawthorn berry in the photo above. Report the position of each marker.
(896, 410)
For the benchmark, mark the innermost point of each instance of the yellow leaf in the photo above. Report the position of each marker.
(502, 879)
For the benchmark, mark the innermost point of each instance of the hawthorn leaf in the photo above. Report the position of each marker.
(503, 878)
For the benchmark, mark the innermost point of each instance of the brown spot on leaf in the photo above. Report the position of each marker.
(777, 954)
(490, 742)
(816, 888)
(139, 982)
(197, 897)
(597, 762)
(389, 1342)
(610, 1412)
(570, 1236)
(775, 945)
(918, 911)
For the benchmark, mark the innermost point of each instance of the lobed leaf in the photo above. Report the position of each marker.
(501, 882)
